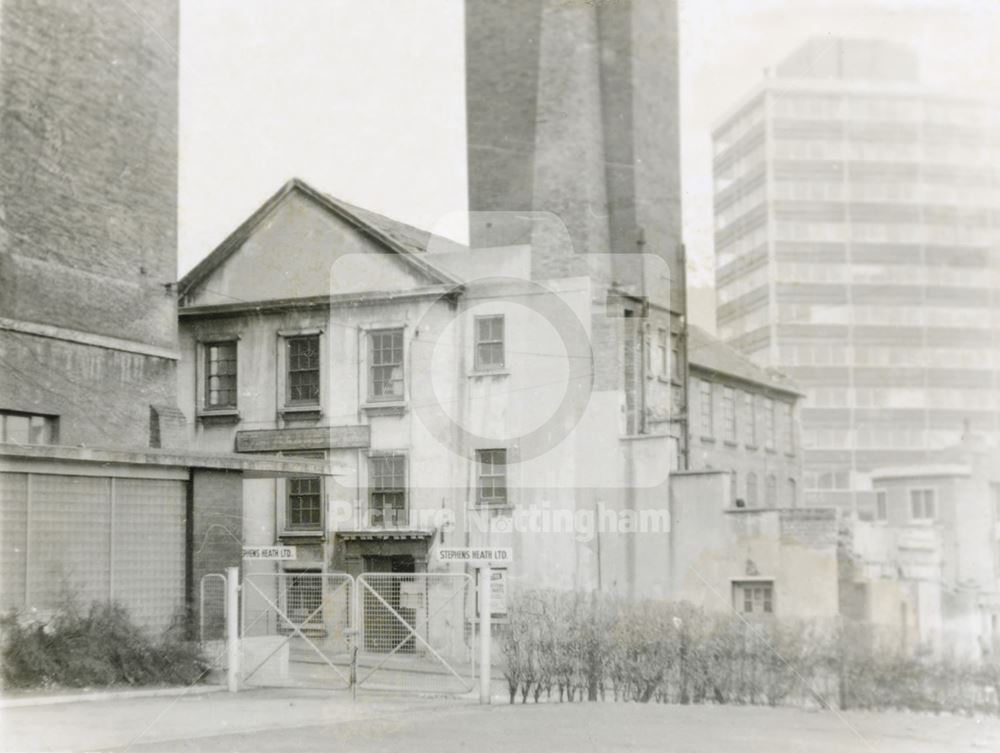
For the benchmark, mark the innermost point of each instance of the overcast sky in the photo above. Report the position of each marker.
(364, 98)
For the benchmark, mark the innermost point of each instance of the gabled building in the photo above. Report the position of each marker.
(459, 392)
(467, 402)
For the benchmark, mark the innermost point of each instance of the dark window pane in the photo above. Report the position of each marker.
(387, 490)
(303, 369)
(220, 375)
(492, 483)
(305, 502)
(489, 342)
(386, 367)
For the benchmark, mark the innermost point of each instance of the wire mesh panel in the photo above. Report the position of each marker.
(212, 608)
(212, 623)
(295, 629)
(412, 632)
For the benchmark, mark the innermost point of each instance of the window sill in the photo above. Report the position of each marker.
(664, 380)
(708, 440)
(771, 450)
(729, 443)
(385, 409)
(752, 447)
(315, 533)
(229, 416)
(499, 507)
(300, 412)
(481, 373)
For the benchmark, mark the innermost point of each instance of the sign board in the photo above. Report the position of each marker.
(269, 552)
(411, 595)
(498, 593)
(476, 555)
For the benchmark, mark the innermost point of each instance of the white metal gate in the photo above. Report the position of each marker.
(416, 631)
(296, 628)
(382, 631)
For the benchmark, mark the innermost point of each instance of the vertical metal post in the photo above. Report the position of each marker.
(112, 492)
(485, 630)
(233, 628)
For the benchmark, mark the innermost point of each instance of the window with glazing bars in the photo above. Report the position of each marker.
(754, 597)
(922, 504)
(729, 414)
(303, 369)
(787, 428)
(305, 503)
(489, 342)
(750, 412)
(663, 351)
(881, 505)
(752, 491)
(28, 428)
(492, 476)
(769, 423)
(385, 354)
(220, 375)
(705, 405)
(387, 490)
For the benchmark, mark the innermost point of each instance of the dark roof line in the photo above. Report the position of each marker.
(708, 353)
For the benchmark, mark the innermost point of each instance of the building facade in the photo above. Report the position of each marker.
(88, 252)
(464, 402)
(99, 499)
(856, 234)
(455, 394)
(925, 569)
(744, 420)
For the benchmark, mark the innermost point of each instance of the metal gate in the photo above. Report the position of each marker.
(296, 629)
(415, 631)
(384, 631)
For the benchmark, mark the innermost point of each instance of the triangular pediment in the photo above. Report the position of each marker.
(304, 244)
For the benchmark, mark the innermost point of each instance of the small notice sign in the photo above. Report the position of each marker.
(476, 555)
(269, 552)
(498, 593)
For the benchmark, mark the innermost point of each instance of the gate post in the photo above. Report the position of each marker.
(485, 631)
(233, 628)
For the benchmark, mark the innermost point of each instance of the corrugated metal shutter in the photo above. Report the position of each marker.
(93, 538)
(68, 540)
(149, 549)
(13, 532)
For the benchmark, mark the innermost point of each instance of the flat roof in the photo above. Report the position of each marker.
(921, 471)
(250, 465)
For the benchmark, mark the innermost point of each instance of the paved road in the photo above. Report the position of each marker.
(298, 721)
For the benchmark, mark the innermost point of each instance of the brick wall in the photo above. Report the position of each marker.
(572, 109)
(813, 527)
(215, 536)
(217, 522)
(88, 173)
(102, 397)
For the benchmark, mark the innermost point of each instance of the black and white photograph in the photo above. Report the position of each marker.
(440, 376)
